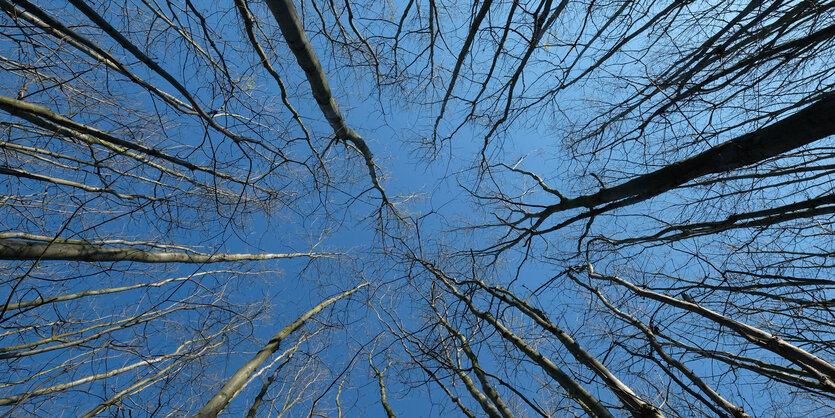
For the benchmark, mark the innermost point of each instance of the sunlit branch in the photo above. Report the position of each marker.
(821, 369)
(651, 337)
(577, 392)
(233, 386)
(23, 250)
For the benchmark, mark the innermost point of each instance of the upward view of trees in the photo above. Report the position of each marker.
(417, 208)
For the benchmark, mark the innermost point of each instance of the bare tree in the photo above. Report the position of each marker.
(553, 207)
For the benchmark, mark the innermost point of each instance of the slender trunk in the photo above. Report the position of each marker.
(802, 128)
(821, 369)
(577, 392)
(293, 31)
(235, 383)
(735, 411)
(632, 402)
(382, 385)
(23, 250)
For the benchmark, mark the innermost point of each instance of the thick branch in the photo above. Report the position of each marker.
(291, 28)
(382, 385)
(802, 128)
(22, 250)
(488, 388)
(590, 404)
(734, 410)
(631, 401)
(820, 368)
(236, 382)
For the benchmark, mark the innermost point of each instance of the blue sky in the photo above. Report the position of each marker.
(334, 212)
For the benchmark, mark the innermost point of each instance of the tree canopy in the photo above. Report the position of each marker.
(496, 208)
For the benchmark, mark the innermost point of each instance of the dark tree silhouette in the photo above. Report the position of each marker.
(509, 208)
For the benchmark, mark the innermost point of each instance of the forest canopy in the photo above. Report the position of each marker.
(417, 208)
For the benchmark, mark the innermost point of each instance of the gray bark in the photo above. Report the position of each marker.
(23, 250)
(235, 383)
(293, 31)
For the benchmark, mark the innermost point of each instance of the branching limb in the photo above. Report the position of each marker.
(233, 386)
(23, 250)
(291, 27)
